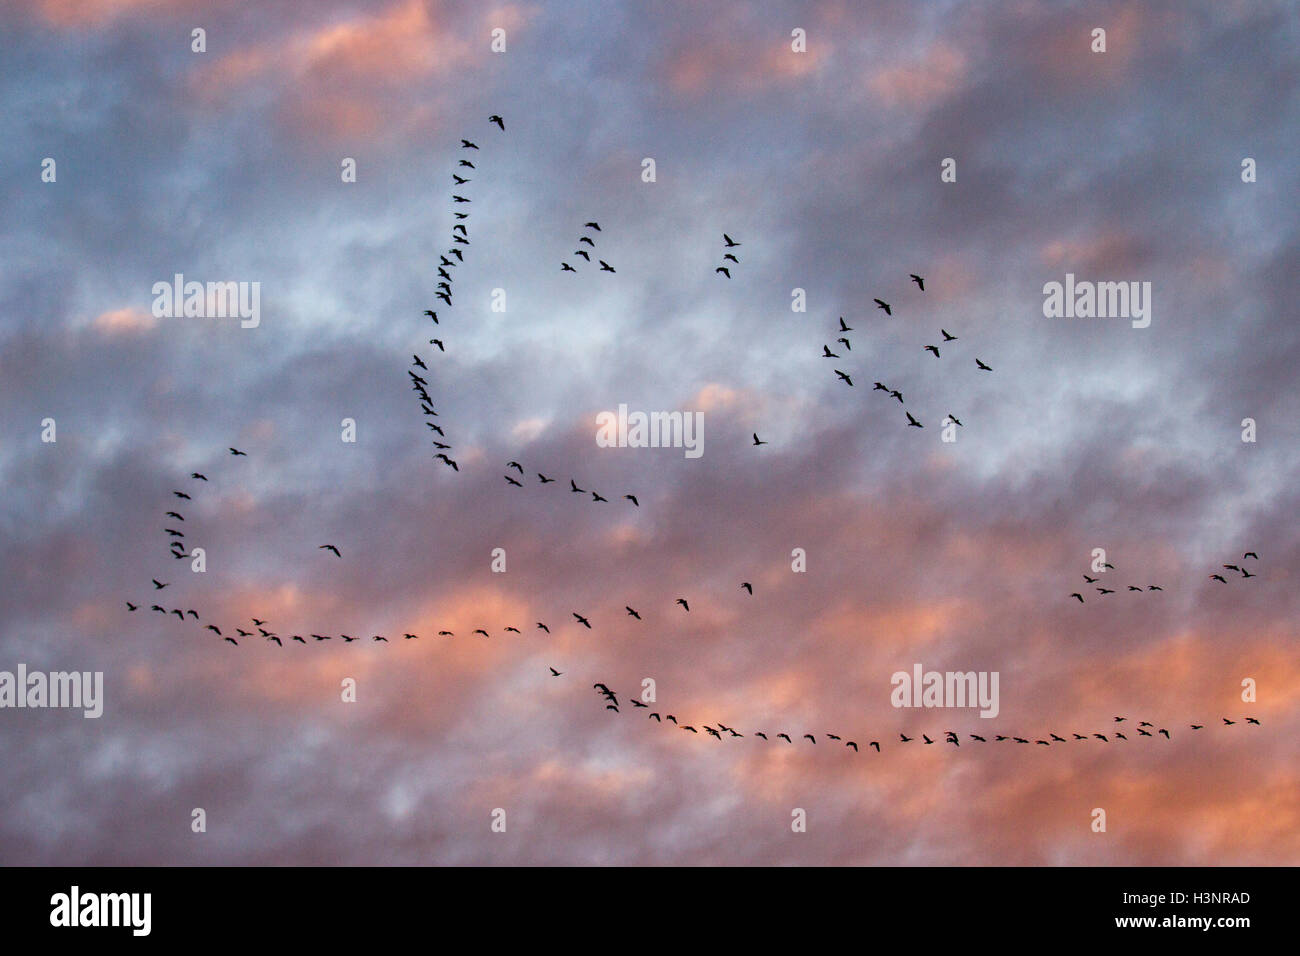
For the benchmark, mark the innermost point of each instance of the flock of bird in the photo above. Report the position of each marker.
(727, 243)
(721, 731)
(847, 378)
(1107, 566)
(590, 243)
(452, 258)
(573, 485)
(234, 634)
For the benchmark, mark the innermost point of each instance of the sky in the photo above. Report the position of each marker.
(826, 165)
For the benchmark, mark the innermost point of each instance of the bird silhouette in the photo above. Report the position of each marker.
(920, 283)
(330, 547)
(731, 243)
(882, 304)
(983, 366)
(582, 620)
(747, 586)
(554, 672)
(756, 441)
(682, 602)
(494, 118)
(236, 451)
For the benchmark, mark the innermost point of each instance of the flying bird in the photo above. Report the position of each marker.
(494, 118)
(756, 441)
(882, 304)
(920, 283)
(731, 243)
(236, 451)
(682, 602)
(983, 366)
(330, 547)
(747, 586)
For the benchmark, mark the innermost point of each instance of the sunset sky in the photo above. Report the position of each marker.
(825, 165)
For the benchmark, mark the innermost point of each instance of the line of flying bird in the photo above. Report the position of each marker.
(573, 485)
(1143, 728)
(233, 635)
(1103, 590)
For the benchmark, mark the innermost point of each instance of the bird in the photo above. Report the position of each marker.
(731, 243)
(633, 613)
(573, 487)
(983, 366)
(632, 498)
(904, 738)
(1077, 595)
(466, 144)
(158, 585)
(912, 422)
(459, 180)
(747, 586)
(582, 620)
(584, 253)
(1250, 554)
(882, 304)
(898, 395)
(1154, 587)
(955, 420)
(236, 451)
(555, 673)
(1132, 588)
(756, 441)
(1165, 732)
(845, 377)
(1228, 722)
(431, 314)
(1105, 590)
(786, 738)
(131, 607)
(479, 630)
(730, 258)
(932, 348)
(588, 240)
(847, 346)
(682, 602)
(1218, 577)
(199, 476)
(438, 342)
(843, 327)
(1196, 726)
(591, 225)
(1249, 720)
(181, 494)
(920, 282)
(948, 336)
(494, 118)
(1090, 580)
(1247, 574)
(724, 270)
(543, 627)
(330, 547)
(596, 497)
(172, 514)
(827, 353)
(876, 744)
(810, 737)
